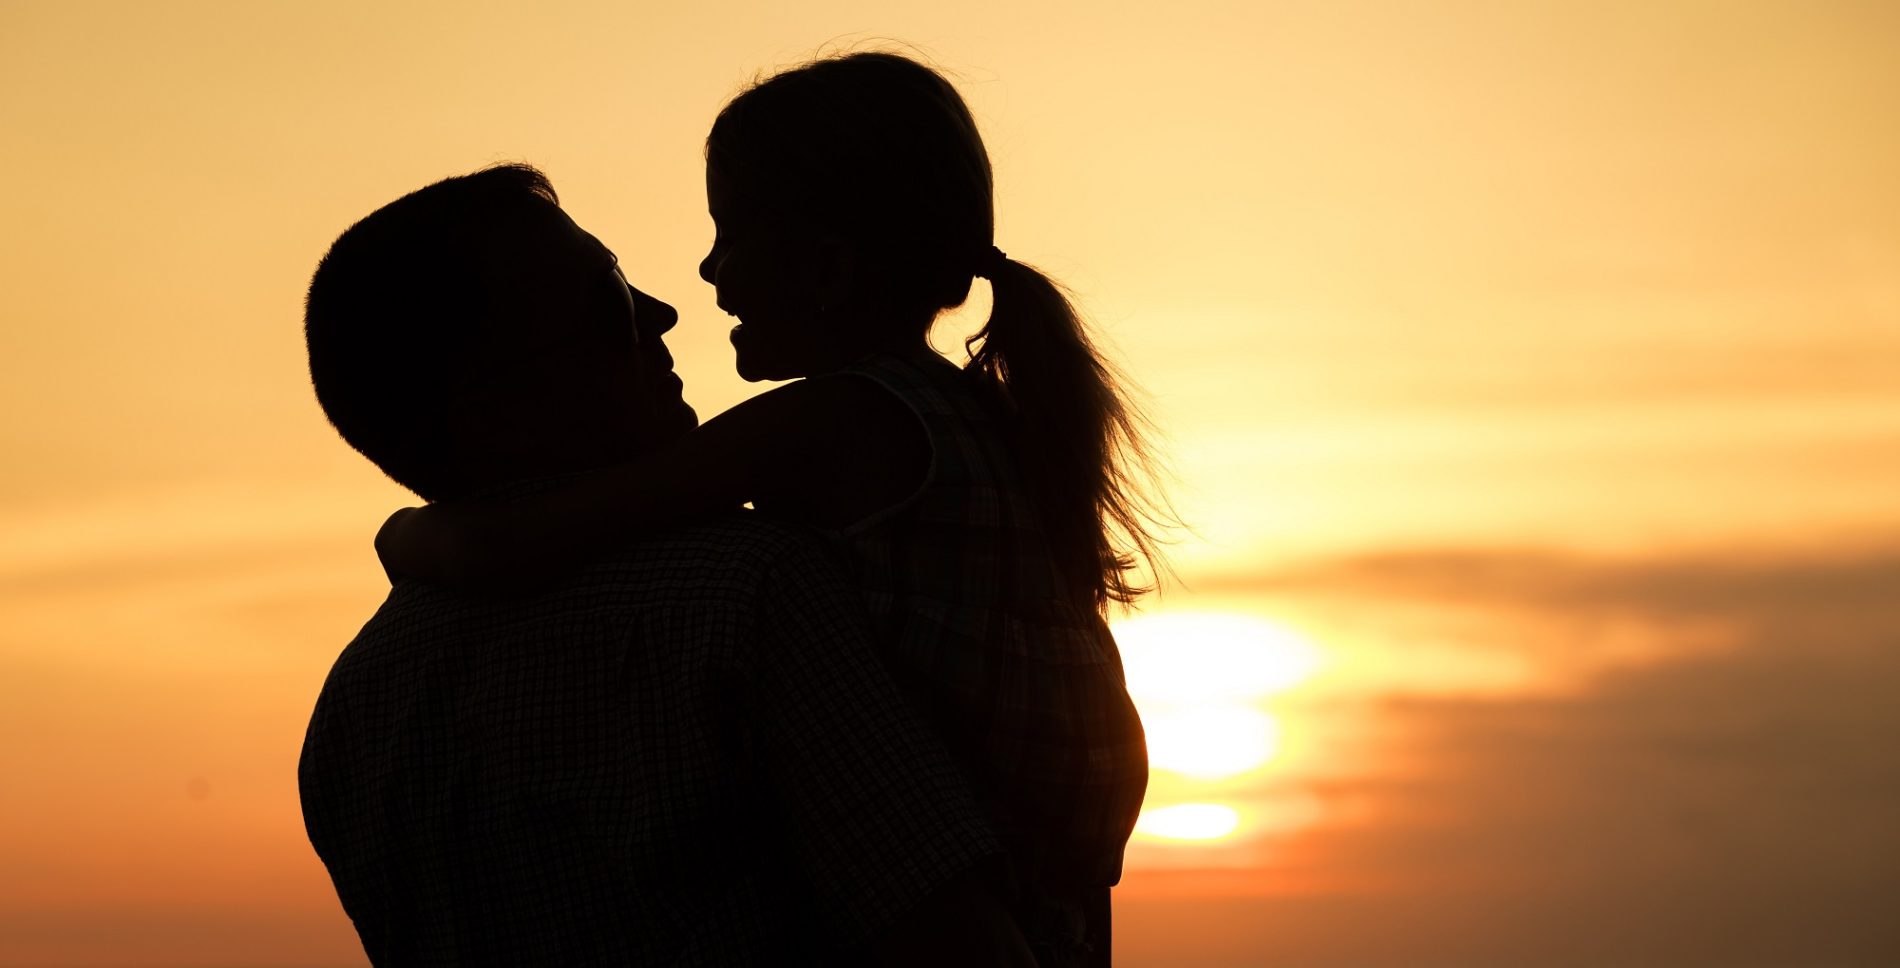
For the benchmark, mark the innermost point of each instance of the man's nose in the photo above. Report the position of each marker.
(708, 270)
(652, 315)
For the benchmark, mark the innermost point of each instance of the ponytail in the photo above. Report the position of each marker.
(1082, 445)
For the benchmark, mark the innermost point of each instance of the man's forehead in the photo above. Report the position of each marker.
(543, 237)
(599, 247)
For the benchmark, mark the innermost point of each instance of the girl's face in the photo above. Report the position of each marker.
(767, 276)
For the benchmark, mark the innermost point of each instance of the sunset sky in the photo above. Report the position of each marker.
(1529, 372)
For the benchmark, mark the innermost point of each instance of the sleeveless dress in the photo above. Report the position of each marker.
(1024, 682)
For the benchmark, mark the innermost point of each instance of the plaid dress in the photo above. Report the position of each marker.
(1024, 682)
(687, 754)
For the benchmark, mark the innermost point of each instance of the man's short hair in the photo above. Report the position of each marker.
(400, 309)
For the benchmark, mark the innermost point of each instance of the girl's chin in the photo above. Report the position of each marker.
(744, 343)
(751, 360)
(758, 360)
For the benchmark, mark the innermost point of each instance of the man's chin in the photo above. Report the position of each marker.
(688, 418)
(675, 421)
(662, 426)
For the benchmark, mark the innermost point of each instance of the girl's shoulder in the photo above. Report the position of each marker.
(970, 439)
(821, 417)
(974, 472)
(926, 383)
(829, 451)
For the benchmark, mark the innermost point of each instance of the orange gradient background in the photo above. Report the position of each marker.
(1530, 372)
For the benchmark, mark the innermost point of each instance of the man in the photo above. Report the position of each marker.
(685, 753)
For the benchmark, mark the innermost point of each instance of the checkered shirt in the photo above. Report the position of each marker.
(687, 754)
(1025, 683)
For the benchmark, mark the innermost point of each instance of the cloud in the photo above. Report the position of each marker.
(1727, 807)
(1754, 582)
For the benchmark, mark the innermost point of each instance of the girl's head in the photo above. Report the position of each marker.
(852, 203)
(852, 200)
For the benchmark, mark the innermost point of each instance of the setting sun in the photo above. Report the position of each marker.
(1192, 657)
(1211, 742)
(1200, 680)
(1189, 821)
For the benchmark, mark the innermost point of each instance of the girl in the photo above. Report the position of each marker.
(991, 511)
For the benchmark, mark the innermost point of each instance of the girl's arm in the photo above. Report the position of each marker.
(827, 451)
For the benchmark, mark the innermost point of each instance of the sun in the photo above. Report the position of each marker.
(1189, 821)
(1206, 657)
(1198, 679)
(1213, 741)
(1201, 681)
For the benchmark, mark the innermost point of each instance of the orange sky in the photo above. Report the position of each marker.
(1538, 364)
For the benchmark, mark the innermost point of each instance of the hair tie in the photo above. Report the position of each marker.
(990, 263)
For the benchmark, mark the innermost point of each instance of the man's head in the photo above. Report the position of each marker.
(469, 333)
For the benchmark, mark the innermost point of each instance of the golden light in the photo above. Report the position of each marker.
(1200, 679)
(1197, 678)
(1199, 657)
(1189, 821)
(1210, 742)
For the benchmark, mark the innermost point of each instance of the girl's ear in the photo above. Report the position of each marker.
(835, 265)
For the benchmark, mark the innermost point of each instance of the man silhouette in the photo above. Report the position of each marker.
(685, 753)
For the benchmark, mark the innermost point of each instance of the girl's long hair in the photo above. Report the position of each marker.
(882, 151)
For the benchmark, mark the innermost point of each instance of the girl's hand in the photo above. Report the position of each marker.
(437, 543)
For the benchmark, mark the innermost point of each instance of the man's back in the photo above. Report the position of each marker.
(686, 754)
